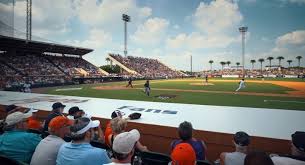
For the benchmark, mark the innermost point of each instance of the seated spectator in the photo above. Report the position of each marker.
(185, 132)
(258, 158)
(12, 108)
(297, 156)
(108, 130)
(15, 142)
(79, 151)
(183, 154)
(241, 141)
(57, 110)
(33, 122)
(124, 147)
(118, 126)
(74, 113)
(46, 151)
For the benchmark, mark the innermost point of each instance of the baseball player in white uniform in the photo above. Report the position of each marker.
(241, 85)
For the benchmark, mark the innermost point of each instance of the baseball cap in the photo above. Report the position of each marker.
(298, 140)
(10, 107)
(17, 117)
(125, 142)
(117, 113)
(242, 138)
(58, 105)
(73, 110)
(59, 122)
(91, 124)
(183, 154)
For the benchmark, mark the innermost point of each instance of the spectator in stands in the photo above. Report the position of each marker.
(258, 158)
(297, 156)
(15, 142)
(79, 151)
(241, 140)
(183, 154)
(108, 130)
(57, 110)
(12, 108)
(46, 151)
(118, 126)
(185, 132)
(124, 147)
(74, 113)
(33, 122)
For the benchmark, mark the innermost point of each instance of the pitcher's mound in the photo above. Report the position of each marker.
(201, 84)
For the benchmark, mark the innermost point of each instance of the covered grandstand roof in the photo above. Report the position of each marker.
(22, 45)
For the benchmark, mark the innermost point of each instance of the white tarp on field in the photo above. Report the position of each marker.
(261, 122)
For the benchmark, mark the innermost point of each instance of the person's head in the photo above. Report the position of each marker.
(185, 130)
(75, 112)
(17, 120)
(58, 107)
(241, 140)
(298, 144)
(82, 129)
(243, 79)
(118, 125)
(60, 126)
(124, 144)
(116, 113)
(255, 158)
(183, 154)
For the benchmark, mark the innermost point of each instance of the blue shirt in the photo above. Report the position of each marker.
(81, 154)
(18, 145)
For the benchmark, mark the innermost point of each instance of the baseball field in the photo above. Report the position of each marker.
(268, 93)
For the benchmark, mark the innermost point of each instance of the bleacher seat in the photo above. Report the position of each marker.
(153, 158)
(203, 162)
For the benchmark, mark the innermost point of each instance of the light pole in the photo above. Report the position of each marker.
(191, 65)
(125, 18)
(243, 31)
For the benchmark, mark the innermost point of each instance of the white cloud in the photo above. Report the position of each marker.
(292, 38)
(108, 13)
(151, 32)
(97, 39)
(219, 16)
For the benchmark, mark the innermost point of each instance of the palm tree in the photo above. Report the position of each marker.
(211, 62)
(280, 58)
(238, 63)
(261, 60)
(228, 63)
(289, 62)
(222, 64)
(270, 59)
(299, 60)
(252, 62)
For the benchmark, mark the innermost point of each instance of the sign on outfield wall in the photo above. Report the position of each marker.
(261, 122)
(230, 76)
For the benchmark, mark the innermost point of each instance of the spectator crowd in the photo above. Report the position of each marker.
(77, 139)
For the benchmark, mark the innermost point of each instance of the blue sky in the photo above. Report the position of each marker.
(171, 30)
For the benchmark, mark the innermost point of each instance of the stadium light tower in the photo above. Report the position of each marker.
(243, 31)
(125, 18)
(29, 20)
(191, 64)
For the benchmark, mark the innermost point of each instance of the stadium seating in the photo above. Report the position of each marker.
(152, 158)
(7, 161)
(203, 162)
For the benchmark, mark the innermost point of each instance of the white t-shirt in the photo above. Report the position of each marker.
(242, 83)
(277, 160)
(113, 163)
(235, 158)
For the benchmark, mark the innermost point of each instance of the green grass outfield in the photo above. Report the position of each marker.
(195, 97)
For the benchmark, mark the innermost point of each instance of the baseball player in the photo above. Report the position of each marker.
(27, 87)
(241, 85)
(147, 88)
(206, 79)
(129, 83)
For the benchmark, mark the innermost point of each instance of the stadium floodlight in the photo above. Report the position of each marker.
(29, 20)
(243, 31)
(125, 18)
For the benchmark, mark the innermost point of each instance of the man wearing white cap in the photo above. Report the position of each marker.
(16, 143)
(123, 147)
(79, 151)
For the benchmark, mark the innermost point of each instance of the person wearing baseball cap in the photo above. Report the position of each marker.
(241, 141)
(108, 130)
(57, 110)
(80, 151)
(33, 122)
(123, 147)
(297, 151)
(183, 154)
(47, 149)
(74, 113)
(15, 142)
